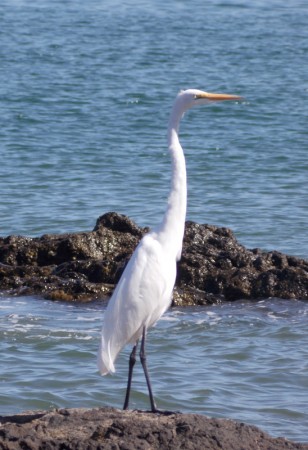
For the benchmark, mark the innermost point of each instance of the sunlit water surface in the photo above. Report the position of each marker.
(86, 90)
(247, 361)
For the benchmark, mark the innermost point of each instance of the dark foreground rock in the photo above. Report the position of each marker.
(86, 266)
(108, 428)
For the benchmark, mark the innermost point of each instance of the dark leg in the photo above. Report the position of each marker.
(145, 369)
(132, 360)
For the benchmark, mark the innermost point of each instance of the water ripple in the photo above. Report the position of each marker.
(244, 360)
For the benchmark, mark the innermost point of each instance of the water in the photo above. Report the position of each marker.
(86, 90)
(247, 361)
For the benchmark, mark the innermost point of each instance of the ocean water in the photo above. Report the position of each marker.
(245, 360)
(86, 89)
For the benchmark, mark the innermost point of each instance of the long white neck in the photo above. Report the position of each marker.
(171, 231)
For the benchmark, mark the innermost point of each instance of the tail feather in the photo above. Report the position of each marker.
(104, 360)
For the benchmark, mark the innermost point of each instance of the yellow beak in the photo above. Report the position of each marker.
(218, 97)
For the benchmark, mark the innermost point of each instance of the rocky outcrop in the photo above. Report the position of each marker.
(85, 266)
(111, 429)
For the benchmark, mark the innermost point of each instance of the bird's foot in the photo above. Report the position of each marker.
(163, 412)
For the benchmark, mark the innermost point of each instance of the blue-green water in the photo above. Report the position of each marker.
(246, 361)
(85, 94)
(86, 89)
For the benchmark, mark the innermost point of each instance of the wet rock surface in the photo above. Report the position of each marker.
(86, 266)
(108, 428)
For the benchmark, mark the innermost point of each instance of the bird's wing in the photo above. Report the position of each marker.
(142, 295)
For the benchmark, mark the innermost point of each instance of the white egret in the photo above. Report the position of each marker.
(144, 291)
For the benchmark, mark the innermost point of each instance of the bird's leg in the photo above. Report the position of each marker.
(145, 369)
(132, 360)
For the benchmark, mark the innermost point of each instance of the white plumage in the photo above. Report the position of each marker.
(142, 295)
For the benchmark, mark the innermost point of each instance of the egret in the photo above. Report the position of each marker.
(144, 290)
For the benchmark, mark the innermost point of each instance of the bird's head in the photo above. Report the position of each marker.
(194, 97)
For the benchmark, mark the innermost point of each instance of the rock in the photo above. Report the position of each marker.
(112, 429)
(86, 266)
(215, 264)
